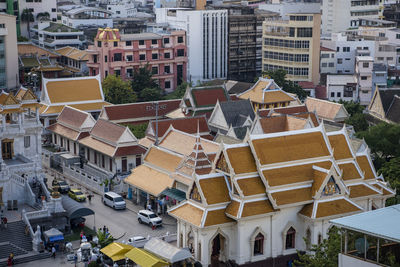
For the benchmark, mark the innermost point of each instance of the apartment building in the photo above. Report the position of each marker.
(56, 35)
(327, 60)
(40, 9)
(87, 16)
(293, 45)
(207, 39)
(342, 87)
(8, 52)
(340, 15)
(347, 49)
(364, 67)
(121, 54)
(244, 40)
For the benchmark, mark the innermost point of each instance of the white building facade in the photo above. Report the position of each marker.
(340, 15)
(342, 87)
(207, 38)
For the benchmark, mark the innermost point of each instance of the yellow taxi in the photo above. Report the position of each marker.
(77, 195)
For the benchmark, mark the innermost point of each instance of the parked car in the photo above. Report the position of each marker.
(114, 200)
(137, 241)
(77, 195)
(60, 186)
(149, 217)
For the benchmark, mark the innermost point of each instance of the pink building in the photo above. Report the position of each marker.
(121, 54)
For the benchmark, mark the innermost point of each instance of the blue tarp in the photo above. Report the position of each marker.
(56, 238)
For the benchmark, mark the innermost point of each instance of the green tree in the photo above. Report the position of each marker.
(150, 94)
(43, 16)
(358, 121)
(178, 92)
(27, 16)
(143, 79)
(139, 129)
(391, 171)
(352, 107)
(279, 76)
(324, 254)
(104, 238)
(384, 141)
(118, 91)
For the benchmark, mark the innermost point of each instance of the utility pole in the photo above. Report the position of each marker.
(156, 107)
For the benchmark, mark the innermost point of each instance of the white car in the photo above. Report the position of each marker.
(137, 241)
(114, 200)
(148, 217)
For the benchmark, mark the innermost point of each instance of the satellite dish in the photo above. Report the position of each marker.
(360, 246)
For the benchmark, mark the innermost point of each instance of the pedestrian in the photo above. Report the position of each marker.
(5, 222)
(53, 252)
(75, 259)
(34, 182)
(10, 260)
(104, 229)
(149, 207)
(90, 197)
(82, 234)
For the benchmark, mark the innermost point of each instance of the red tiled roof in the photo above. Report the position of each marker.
(209, 96)
(326, 49)
(107, 130)
(320, 92)
(135, 111)
(129, 150)
(284, 110)
(234, 97)
(72, 117)
(306, 85)
(83, 135)
(187, 125)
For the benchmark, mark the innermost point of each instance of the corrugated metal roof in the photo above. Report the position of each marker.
(382, 223)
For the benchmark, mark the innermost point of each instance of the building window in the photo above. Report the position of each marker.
(88, 154)
(106, 73)
(332, 94)
(75, 148)
(129, 72)
(103, 161)
(304, 32)
(117, 72)
(138, 160)
(365, 65)
(167, 55)
(364, 78)
(118, 57)
(259, 244)
(167, 84)
(290, 238)
(105, 58)
(154, 70)
(181, 52)
(128, 43)
(153, 42)
(110, 163)
(180, 39)
(129, 58)
(319, 239)
(95, 157)
(338, 94)
(99, 43)
(166, 40)
(141, 42)
(167, 69)
(346, 49)
(94, 58)
(115, 44)
(154, 56)
(27, 141)
(142, 57)
(339, 61)
(53, 10)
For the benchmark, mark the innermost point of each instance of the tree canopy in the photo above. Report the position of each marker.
(179, 91)
(118, 91)
(357, 118)
(279, 77)
(143, 81)
(323, 254)
(391, 171)
(138, 130)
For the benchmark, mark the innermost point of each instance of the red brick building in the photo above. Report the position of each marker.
(121, 54)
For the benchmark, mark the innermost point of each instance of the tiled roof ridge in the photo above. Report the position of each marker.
(322, 100)
(137, 103)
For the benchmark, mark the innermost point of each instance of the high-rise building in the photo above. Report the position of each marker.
(293, 45)
(340, 15)
(8, 52)
(207, 40)
(244, 40)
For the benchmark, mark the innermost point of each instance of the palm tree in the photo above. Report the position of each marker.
(43, 16)
(27, 16)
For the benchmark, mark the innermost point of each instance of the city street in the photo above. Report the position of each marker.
(122, 224)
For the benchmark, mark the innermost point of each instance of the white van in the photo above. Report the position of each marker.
(114, 200)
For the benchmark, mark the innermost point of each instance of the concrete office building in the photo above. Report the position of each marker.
(293, 45)
(340, 15)
(207, 40)
(8, 52)
(244, 40)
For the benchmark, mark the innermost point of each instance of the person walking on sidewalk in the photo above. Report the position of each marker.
(53, 252)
